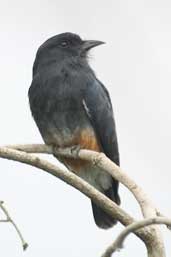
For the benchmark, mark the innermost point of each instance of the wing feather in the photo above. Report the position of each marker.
(98, 107)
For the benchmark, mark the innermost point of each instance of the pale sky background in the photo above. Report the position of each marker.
(135, 66)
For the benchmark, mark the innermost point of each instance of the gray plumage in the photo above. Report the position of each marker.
(71, 106)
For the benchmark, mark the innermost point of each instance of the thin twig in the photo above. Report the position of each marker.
(159, 214)
(118, 243)
(10, 220)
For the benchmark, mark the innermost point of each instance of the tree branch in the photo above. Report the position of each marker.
(70, 178)
(100, 160)
(9, 219)
(118, 243)
(151, 236)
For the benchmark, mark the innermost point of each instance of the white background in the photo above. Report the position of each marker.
(135, 66)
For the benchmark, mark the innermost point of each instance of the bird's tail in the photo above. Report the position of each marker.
(102, 219)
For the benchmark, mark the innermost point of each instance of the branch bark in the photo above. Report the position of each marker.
(118, 243)
(151, 236)
(9, 219)
(70, 178)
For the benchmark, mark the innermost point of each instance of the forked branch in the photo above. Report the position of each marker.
(118, 243)
(150, 236)
(10, 220)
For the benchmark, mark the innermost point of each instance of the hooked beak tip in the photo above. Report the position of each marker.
(88, 44)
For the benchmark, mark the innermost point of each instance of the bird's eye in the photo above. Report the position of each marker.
(64, 44)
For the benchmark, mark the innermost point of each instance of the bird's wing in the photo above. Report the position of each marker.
(98, 107)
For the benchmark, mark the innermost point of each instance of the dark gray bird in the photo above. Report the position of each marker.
(72, 107)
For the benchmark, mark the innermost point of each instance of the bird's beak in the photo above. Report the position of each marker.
(88, 44)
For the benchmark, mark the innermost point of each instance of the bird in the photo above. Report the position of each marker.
(72, 107)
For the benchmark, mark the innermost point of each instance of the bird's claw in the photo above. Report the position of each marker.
(75, 150)
(56, 151)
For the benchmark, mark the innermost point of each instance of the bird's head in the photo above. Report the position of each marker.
(65, 45)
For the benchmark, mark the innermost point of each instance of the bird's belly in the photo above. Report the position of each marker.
(58, 137)
(98, 178)
(82, 134)
(86, 139)
(77, 131)
(67, 128)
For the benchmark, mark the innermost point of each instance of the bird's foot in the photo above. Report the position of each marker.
(71, 152)
(75, 151)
